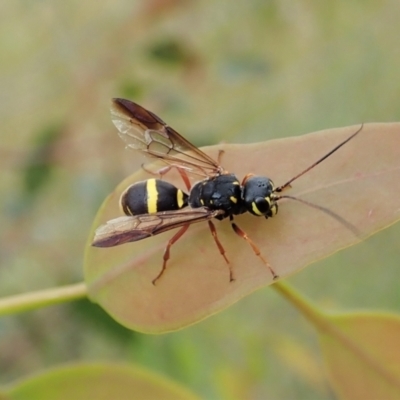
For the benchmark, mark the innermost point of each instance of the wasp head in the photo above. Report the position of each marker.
(258, 196)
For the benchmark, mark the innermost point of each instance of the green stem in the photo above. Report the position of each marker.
(310, 311)
(324, 323)
(42, 298)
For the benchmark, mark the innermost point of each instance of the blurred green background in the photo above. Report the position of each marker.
(240, 71)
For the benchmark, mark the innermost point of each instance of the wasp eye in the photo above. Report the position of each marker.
(263, 205)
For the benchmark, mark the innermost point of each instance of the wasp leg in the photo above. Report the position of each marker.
(246, 177)
(220, 154)
(221, 249)
(185, 178)
(171, 241)
(162, 171)
(256, 250)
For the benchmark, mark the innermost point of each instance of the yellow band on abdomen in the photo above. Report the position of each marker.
(152, 196)
(179, 198)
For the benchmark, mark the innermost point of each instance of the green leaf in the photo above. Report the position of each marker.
(97, 381)
(360, 349)
(360, 183)
(362, 355)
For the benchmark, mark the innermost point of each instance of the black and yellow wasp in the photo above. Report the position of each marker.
(155, 206)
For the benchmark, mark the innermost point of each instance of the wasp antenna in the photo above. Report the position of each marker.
(327, 211)
(287, 184)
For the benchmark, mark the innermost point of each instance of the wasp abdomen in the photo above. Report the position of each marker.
(152, 196)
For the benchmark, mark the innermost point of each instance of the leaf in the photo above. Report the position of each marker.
(97, 381)
(362, 355)
(360, 182)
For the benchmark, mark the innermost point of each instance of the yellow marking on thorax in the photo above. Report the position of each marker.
(202, 202)
(152, 196)
(233, 199)
(179, 198)
(255, 209)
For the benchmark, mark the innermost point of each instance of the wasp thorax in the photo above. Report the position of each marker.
(222, 192)
(258, 196)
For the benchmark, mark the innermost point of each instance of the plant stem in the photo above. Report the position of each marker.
(314, 314)
(325, 324)
(42, 298)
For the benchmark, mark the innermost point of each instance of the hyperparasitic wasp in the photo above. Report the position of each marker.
(154, 206)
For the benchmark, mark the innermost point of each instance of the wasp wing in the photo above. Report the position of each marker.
(144, 131)
(133, 228)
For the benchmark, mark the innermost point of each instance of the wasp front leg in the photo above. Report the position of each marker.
(255, 248)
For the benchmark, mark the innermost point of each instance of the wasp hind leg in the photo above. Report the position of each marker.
(163, 171)
(166, 256)
(256, 250)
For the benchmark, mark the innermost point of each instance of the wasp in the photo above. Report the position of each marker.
(154, 206)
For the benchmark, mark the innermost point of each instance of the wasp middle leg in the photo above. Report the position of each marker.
(221, 249)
